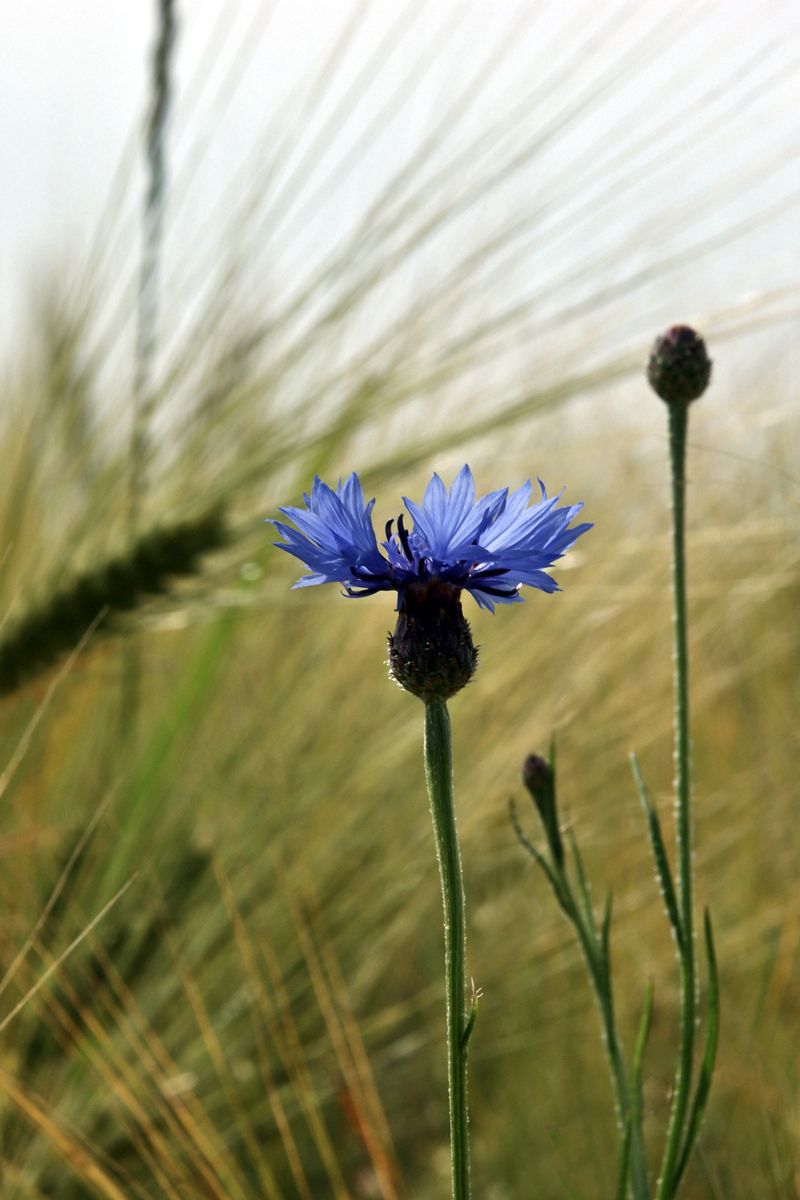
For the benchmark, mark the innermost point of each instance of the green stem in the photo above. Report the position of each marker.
(600, 975)
(439, 776)
(678, 422)
(605, 1007)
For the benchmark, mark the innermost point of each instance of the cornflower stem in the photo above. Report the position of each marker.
(439, 777)
(678, 424)
(623, 1098)
(605, 1004)
(596, 951)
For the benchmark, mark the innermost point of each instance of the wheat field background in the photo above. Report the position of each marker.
(220, 948)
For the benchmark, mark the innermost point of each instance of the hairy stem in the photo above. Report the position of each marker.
(678, 422)
(439, 776)
(599, 965)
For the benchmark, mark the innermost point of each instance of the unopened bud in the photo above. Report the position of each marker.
(540, 780)
(679, 369)
(537, 775)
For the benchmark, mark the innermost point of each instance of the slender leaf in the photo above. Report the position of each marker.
(659, 853)
(641, 1188)
(605, 930)
(624, 1163)
(709, 1052)
(558, 884)
(583, 884)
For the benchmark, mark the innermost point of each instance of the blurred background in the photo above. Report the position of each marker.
(247, 243)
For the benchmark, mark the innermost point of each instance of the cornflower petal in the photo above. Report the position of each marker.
(449, 524)
(334, 537)
(490, 547)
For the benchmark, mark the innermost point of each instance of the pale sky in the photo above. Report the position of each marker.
(74, 79)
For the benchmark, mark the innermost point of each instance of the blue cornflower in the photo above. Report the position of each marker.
(489, 547)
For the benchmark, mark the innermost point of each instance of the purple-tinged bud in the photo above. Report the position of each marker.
(537, 775)
(540, 780)
(679, 369)
(431, 652)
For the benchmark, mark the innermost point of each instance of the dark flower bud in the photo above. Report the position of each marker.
(537, 775)
(431, 652)
(679, 369)
(540, 780)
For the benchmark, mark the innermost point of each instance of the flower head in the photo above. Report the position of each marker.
(489, 547)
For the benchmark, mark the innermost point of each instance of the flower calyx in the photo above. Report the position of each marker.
(431, 652)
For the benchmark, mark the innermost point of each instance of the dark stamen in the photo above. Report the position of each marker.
(490, 572)
(364, 576)
(493, 591)
(402, 533)
(358, 595)
(389, 525)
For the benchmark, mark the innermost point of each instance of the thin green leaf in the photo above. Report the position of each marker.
(641, 1187)
(659, 853)
(605, 930)
(471, 1019)
(709, 1052)
(624, 1163)
(553, 753)
(583, 884)
(556, 883)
